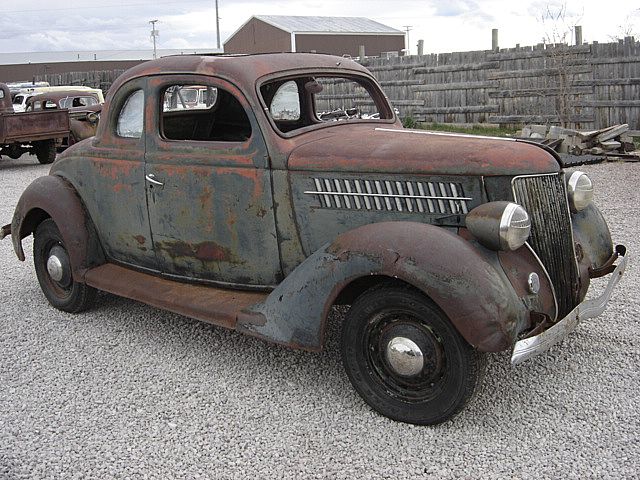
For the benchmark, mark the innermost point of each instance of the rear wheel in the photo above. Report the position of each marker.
(45, 151)
(53, 269)
(406, 359)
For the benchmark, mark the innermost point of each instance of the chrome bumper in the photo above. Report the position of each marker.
(532, 346)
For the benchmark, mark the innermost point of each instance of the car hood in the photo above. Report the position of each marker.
(357, 148)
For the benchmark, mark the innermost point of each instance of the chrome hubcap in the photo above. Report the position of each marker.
(54, 267)
(404, 356)
(58, 266)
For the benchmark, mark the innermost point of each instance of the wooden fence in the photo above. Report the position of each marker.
(96, 78)
(585, 86)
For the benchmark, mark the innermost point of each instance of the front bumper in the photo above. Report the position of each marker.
(532, 346)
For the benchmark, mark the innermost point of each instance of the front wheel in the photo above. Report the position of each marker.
(405, 358)
(53, 269)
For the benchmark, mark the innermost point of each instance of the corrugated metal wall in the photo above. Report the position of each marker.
(349, 44)
(258, 37)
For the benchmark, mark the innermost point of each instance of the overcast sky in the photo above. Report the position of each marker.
(445, 25)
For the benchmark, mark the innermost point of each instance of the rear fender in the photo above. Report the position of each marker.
(53, 197)
(465, 281)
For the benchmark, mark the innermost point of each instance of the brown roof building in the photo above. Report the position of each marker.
(333, 35)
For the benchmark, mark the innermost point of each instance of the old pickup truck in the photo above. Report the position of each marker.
(83, 109)
(253, 213)
(36, 133)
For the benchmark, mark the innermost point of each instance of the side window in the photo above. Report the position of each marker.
(131, 118)
(286, 102)
(203, 113)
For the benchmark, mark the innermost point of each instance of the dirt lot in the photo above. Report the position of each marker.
(128, 391)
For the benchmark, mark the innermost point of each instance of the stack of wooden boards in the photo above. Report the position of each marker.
(615, 142)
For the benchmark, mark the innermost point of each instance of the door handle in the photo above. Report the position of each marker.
(151, 178)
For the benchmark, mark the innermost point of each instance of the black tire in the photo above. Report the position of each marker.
(441, 381)
(63, 293)
(45, 151)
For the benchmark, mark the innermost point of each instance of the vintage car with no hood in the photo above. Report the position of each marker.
(256, 210)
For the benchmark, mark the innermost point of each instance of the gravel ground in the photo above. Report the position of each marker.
(129, 391)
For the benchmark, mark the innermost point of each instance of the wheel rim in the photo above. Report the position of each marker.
(58, 268)
(405, 356)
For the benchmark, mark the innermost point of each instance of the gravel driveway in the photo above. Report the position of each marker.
(128, 391)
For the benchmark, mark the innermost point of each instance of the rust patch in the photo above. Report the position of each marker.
(140, 239)
(209, 251)
(204, 251)
(205, 197)
(118, 187)
(116, 169)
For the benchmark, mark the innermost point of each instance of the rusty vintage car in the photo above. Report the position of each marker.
(84, 111)
(36, 133)
(253, 213)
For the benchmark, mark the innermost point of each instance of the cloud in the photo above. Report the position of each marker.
(445, 25)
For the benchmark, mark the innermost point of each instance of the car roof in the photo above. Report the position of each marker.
(242, 68)
(59, 95)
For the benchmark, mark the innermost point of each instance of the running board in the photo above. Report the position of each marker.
(209, 304)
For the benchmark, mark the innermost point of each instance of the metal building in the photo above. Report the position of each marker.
(334, 35)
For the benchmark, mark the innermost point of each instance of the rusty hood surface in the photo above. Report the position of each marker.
(368, 148)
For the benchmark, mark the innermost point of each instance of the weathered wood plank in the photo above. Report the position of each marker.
(599, 82)
(400, 83)
(407, 103)
(462, 67)
(502, 119)
(607, 103)
(464, 109)
(540, 92)
(538, 53)
(539, 72)
(433, 87)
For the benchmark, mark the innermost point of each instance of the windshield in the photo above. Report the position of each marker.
(18, 99)
(302, 102)
(74, 102)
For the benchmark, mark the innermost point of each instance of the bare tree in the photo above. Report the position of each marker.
(629, 26)
(560, 60)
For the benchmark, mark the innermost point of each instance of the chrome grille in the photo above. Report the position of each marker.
(544, 198)
(391, 195)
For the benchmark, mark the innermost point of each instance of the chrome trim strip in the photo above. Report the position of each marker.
(391, 195)
(444, 134)
(546, 274)
(386, 195)
(530, 347)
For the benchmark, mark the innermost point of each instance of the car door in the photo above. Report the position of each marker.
(112, 181)
(209, 186)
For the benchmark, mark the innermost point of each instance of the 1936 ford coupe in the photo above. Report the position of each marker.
(290, 186)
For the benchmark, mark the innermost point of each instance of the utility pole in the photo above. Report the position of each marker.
(407, 28)
(154, 34)
(217, 25)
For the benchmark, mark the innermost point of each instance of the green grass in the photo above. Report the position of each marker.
(449, 127)
(473, 130)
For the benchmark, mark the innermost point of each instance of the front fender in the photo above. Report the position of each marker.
(465, 281)
(51, 196)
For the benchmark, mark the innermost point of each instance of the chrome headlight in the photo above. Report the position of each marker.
(499, 225)
(579, 191)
